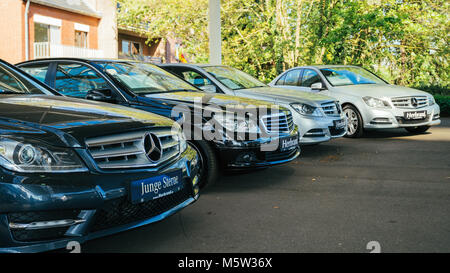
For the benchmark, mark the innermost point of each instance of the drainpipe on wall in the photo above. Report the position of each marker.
(27, 44)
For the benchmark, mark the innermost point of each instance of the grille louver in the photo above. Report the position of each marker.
(406, 102)
(278, 123)
(127, 150)
(331, 108)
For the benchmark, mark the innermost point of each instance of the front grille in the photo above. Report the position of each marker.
(121, 211)
(331, 108)
(280, 123)
(277, 155)
(38, 216)
(127, 150)
(402, 120)
(410, 102)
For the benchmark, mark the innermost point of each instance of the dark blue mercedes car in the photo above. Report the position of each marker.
(74, 170)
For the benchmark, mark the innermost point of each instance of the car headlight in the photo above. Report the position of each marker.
(238, 124)
(20, 156)
(306, 109)
(431, 100)
(376, 103)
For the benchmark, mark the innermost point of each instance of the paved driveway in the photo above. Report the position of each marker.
(389, 187)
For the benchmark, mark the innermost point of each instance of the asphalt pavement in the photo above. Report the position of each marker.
(390, 187)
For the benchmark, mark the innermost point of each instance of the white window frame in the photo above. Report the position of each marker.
(47, 20)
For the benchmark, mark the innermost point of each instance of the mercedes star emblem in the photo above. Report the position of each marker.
(152, 147)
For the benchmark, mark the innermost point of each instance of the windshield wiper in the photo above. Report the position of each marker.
(256, 86)
(167, 91)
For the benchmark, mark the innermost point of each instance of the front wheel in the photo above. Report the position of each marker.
(417, 129)
(354, 122)
(207, 162)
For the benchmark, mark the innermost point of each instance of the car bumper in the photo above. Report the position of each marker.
(99, 202)
(257, 153)
(394, 118)
(317, 130)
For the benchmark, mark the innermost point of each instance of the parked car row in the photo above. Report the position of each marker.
(92, 147)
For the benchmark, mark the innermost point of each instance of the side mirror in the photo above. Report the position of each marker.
(104, 95)
(209, 88)
(317, 86)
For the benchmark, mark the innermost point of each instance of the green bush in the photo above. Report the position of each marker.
(435, 89)
(444, 103)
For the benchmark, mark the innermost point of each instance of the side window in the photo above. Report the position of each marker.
(281, 80)
(292, 77)
(309, 77)
(195, 78)
(38, 71)
(9, 81)
(76, 80)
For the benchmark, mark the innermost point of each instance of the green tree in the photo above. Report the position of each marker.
(405, 41)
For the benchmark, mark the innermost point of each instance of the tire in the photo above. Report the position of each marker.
(209, 161)
(418, 129)
(354, 122)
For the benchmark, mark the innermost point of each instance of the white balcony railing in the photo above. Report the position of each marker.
(46, 50)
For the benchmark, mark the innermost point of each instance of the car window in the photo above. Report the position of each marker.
(76, 80)
(281, 80)
(195, 78)
(13, 80)
(38, 71)
(144, 78)
(309, 77)
(292, 77)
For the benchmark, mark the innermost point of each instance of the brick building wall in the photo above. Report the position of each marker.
(68, 25)
(12, 32)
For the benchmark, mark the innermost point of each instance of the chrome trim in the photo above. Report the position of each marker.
(127, 150)
(46, 224)
(331, 108)
(406, 102)
(284, 123)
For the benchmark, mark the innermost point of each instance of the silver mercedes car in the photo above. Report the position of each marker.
(368, 101)
(319, 117)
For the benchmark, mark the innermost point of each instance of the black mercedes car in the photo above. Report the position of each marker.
(74, 170)
(227, 131)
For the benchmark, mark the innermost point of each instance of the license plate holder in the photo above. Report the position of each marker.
(415, 115)
(288, 143)
(339, 124)
(156, 187)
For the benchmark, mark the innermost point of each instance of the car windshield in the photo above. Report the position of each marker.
(142, 78)
(339, 76)
(14, 82)
(233, 78)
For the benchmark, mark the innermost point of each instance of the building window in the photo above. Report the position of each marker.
(41, 33)
(132, 48)
(46, 34)
(81, 39)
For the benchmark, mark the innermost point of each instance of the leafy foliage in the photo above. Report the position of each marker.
(404, 41)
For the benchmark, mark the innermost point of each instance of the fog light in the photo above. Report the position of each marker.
(195, 180)
(196, 190)
(246, 157)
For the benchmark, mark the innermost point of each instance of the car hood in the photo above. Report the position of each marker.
(225, 102)
(63, 121)
(380, 90)
(284, 95)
